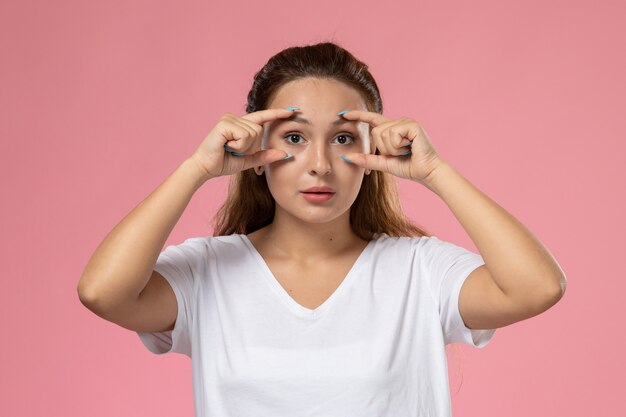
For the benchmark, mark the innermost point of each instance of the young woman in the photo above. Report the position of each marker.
(316, 296)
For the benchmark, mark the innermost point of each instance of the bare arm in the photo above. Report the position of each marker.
(119, 283)
(520, 278)
(120, 268)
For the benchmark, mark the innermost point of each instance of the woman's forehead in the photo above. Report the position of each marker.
(300, 119)
(316, 95)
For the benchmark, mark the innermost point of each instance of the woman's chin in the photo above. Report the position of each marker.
(317, 215)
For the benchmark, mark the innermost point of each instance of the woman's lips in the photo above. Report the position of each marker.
(317, 197)
(319, 189)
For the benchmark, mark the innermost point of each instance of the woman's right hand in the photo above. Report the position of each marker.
(241, 134)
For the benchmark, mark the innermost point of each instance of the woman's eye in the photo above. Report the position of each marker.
(345, 139)
(290, 136)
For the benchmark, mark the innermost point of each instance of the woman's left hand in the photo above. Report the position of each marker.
(393, 138)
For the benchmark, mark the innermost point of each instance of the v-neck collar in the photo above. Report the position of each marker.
(292, 304)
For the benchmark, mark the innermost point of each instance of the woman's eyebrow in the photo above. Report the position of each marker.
(299, 119)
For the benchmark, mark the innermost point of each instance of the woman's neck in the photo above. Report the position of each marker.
(301, 241)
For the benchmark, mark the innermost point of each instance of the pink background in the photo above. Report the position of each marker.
(100, 102)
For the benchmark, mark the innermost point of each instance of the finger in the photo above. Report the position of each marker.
(233, 132)
(263, 116)
(397, 139)
(369, 161)
(235, 135)
(264, 157)
(383, 142)
(379, 125)
(392, 138)
(380, 135)
(374, 119)
(258, 135)
(256, 128)
(244, 143)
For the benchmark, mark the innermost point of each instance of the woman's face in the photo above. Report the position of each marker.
(316, 147)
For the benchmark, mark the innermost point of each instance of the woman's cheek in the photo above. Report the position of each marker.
(356, 147)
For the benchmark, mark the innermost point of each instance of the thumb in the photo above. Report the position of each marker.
(368, 161)
(264, 157)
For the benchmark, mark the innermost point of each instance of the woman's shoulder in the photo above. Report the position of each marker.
(225, 242)
(422, 245)
(398, 248)
(387, 240)
(386, 245)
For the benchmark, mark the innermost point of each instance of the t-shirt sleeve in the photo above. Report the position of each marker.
(179, 265)
(448, 266)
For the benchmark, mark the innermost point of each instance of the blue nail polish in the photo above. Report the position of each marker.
(408, 144)
(406, 153)
(342, 112)
(293, 108)
(288, 156)
(345, 159)
(233, 152)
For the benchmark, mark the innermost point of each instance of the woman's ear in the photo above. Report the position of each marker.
(259, 170)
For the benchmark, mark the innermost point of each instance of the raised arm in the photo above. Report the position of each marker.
(520, 278)
(120, 269)
(119, 282)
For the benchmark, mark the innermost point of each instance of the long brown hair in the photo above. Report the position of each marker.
(250, 206)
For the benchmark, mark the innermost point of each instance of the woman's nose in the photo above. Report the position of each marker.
(319, 159)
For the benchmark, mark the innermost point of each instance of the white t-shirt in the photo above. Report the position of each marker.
(375, 347)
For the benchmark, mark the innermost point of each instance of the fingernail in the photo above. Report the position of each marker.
(234, 153)
(293, 108)
(406, 153)
(288, 156)
(408, 144)
(345, 159)
(342, 112)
